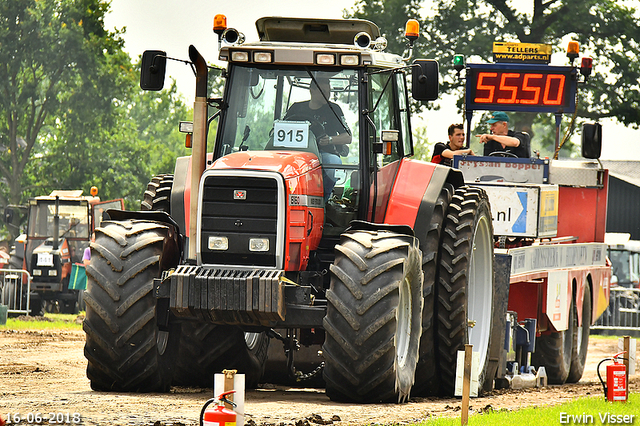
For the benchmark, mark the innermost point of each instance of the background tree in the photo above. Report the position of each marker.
(59, 68)
(607, 30)
(156, 116)
(391, 16)
(72, 114)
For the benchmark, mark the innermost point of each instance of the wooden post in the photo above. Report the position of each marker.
(466, 384)
(229, 376)
(626, 346)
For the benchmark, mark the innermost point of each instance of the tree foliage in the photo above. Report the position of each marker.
(607, 30)
(391, 16)
(71, 112)
(58, 68)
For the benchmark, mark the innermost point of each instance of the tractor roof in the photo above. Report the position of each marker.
(73, 193)
(313, 30)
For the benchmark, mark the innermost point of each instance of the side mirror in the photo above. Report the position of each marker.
(154, 64)
(591, 140)
(424, 82)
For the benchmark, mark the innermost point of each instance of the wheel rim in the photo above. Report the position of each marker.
(251, 339)
(480, 289)
(403, 318)
(579, 345)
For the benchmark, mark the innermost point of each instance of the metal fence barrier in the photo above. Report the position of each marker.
(14, 290)
(623, 314)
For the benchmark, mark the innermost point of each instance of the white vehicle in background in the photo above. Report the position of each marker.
(623, 314)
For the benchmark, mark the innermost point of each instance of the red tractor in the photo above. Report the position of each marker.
(304, 220)
(59, 228)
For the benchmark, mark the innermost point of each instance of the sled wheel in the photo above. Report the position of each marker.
(206, 349)
(580, 337)
(554, 351)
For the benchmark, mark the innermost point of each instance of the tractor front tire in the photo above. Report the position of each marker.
(124, 347)
(466, 294)
(374, 317)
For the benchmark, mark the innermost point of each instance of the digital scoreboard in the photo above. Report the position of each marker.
(521, 87)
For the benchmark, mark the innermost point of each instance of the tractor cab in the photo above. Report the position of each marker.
(318, 109)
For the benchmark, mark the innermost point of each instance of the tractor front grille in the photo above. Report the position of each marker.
(241, 206)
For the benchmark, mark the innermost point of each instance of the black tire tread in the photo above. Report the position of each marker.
(579, 356)
(451, 287)
(157, 197)
(361, 324)
(427, 381)
(121, 333)
(206, 349)
(554, 351)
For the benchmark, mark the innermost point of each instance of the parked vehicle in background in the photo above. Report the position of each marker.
(624, 254)
(59, 228)
(623, 313)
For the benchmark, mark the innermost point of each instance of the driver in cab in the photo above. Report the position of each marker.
(327, 124)
(319, 110)
(503, 140)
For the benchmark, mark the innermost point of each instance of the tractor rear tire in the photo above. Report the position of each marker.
(427, 381)
(124, 347)
(554, 351)
(580, 337)
(157, 197)
(466, 290)
(374, 317)
(206, 349)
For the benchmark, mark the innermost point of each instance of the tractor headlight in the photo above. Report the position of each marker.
(53, 273)
(218, 243)
(37, 272)
(240, 56)
(259, 244)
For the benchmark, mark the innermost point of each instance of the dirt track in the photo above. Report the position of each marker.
(43, 371)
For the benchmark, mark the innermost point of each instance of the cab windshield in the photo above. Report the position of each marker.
(259, 116)
(626, 266)
(74, 220)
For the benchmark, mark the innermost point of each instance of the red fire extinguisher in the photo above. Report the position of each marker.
(219, 416)
(616, 387)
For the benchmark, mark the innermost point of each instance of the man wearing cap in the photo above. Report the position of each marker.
(501, 139)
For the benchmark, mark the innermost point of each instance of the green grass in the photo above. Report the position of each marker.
(49, 322)
(587, 408)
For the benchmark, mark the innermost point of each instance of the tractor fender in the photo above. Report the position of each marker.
(174, 243)
(361, 225)
(415, 193)
(180, 191)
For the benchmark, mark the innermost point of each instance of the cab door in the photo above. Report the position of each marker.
(388, 110)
